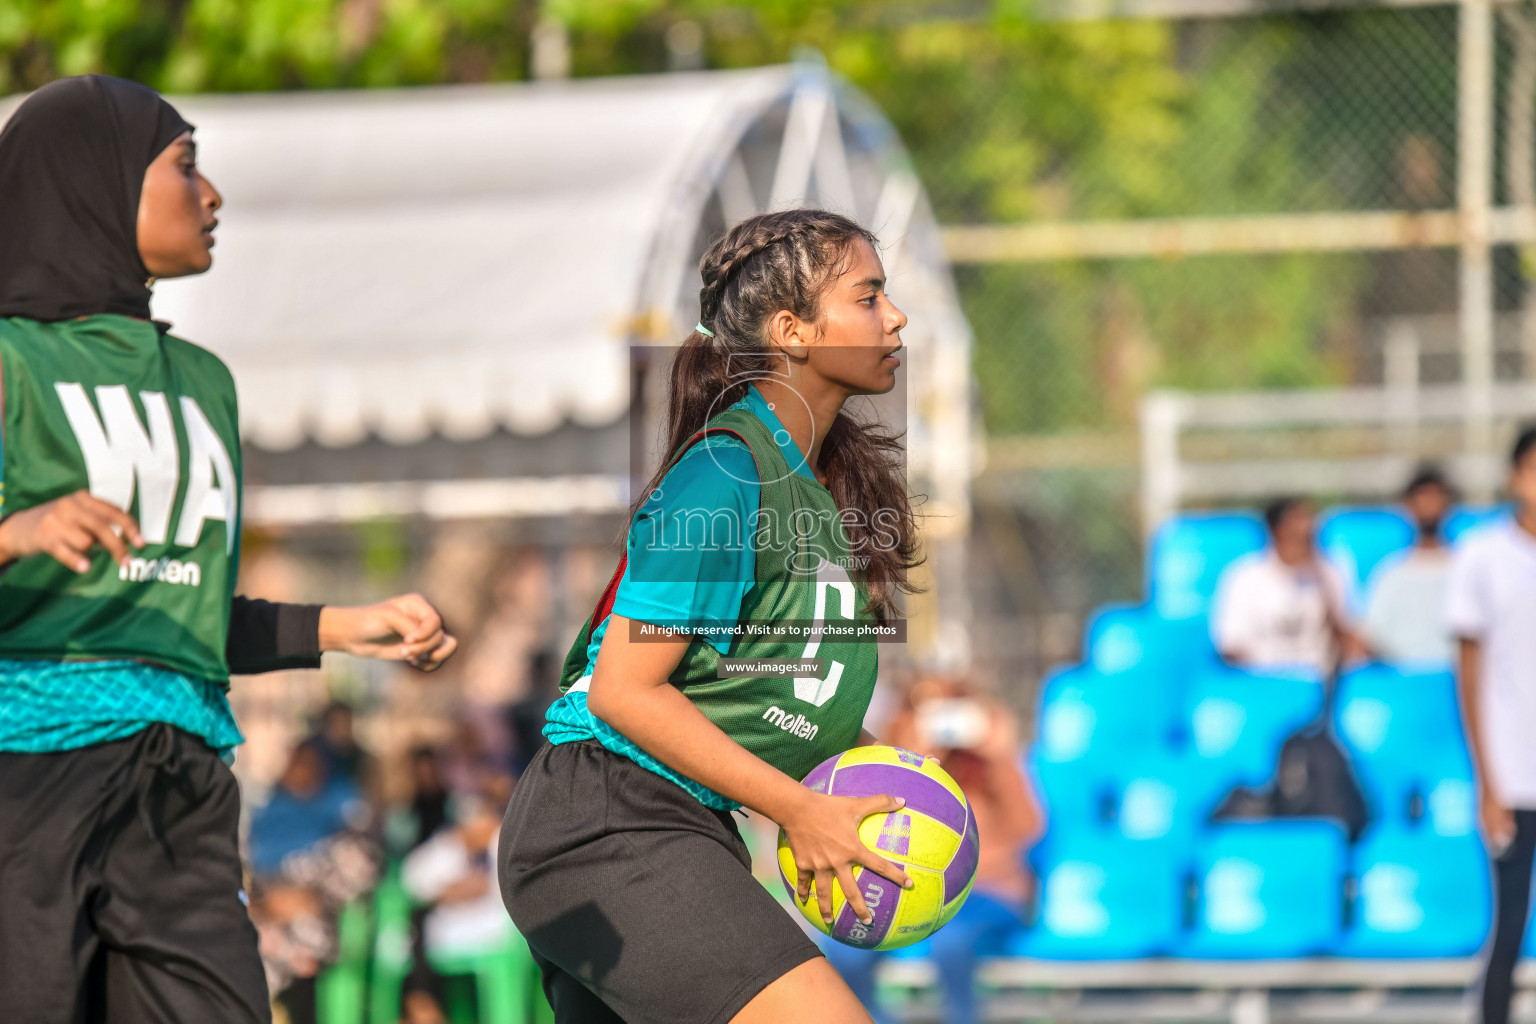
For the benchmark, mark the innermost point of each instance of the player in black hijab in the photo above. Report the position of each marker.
(72, 162)
(120, 875)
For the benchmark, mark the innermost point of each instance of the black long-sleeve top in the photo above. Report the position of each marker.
(266, 636)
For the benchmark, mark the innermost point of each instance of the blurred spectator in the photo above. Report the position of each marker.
(1491, 609)
(1284, 607)
(526, 717)
(295, 944)
(454, 873)
(429, 798)
(343, 757)
(1405, 612)
(468, 763)
(310, 853)
(423, 808)
(307, 806)
(977, 742)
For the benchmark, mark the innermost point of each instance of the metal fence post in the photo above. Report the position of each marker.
(1160, 420)
(1474, 175)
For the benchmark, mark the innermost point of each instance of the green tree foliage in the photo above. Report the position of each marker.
(1007, 117)
(244, 45)
(1075, 345)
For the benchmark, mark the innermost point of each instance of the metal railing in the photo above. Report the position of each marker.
(1312, 990)
(1359, 442)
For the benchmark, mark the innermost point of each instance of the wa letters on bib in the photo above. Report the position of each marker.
(148, 423)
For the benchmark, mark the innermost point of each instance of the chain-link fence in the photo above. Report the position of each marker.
(1285, 199)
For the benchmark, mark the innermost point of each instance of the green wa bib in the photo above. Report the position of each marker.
(146, 422)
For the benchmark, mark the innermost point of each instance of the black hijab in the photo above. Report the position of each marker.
(72, 163)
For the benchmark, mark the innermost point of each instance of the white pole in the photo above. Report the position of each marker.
(1160, 420)
(1400, 350)
(1474, 178)
(1251, 1007)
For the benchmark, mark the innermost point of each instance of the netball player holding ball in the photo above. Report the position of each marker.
(619, 859)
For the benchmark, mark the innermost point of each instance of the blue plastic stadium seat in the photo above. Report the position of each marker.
(1079, 796)
(1360, 540)
(1116, 639)
(1450, 797)
(1088, 723)
(1418, 895)
(1133, 638)
(1403, 733)
(1269, 889)
(1468, 518)
(917, 951)
(1083, 713)
(1105, 898)
(1528, 947)
(1188, 554)
(1166, 797)
(1237, 720)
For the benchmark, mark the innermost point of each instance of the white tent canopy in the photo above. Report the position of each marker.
(442, 260)
(448, 261)
(454, 260)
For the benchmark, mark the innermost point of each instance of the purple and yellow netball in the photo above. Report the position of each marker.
(933, 838)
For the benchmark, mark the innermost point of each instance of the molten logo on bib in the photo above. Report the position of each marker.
(161, 570)
(795, 725)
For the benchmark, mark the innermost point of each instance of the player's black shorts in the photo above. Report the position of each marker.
(638, 901)
(120, 890)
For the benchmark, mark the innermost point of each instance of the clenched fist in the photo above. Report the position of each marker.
(405, 628)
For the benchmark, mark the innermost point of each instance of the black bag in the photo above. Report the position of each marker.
(1313, 779)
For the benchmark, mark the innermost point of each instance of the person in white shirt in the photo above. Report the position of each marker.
(455, 872)
(1405, 610)
(1285, 606)
(1491, 610)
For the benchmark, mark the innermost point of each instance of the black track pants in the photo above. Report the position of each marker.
(120, 887)
(1512, 905)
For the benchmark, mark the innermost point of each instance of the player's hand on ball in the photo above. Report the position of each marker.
(823, 834)
(405, 628)
(68, 528)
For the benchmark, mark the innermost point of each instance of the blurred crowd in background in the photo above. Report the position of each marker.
(338, 821)
(335, 822)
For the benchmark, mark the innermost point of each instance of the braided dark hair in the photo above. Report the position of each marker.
(772, 262)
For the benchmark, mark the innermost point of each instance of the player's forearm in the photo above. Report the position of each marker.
(266, 636)
(631, 690)
(8, 553)
(1468, 671)
(15, 542)
(668, 726)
